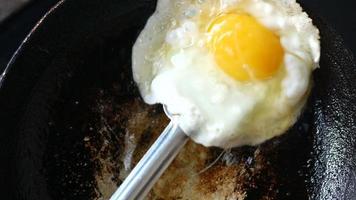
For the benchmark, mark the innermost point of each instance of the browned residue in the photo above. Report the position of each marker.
(131, 126)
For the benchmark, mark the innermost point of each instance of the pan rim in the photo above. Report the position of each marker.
(24, 42)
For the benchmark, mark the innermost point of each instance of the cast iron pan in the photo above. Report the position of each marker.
(79, 54)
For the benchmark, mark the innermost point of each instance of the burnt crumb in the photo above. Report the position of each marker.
(146, 137)
(156, 110)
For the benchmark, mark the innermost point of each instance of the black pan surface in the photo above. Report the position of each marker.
(77, 53)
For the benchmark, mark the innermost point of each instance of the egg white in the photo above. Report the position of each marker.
(172, 66)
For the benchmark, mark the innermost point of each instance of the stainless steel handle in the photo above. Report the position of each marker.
(153, 164)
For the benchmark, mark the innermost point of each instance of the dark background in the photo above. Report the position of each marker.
(340, 14)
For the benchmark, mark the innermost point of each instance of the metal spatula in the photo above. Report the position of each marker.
(154, 163)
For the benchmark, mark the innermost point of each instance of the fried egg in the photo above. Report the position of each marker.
(236, 72)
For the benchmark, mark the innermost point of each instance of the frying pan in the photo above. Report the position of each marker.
(78, 57)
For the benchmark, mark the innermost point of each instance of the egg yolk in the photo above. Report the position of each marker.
(243, 48)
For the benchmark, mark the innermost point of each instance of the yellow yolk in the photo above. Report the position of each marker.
(243, 48)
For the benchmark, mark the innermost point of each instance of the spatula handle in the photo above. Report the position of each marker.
(153, 164)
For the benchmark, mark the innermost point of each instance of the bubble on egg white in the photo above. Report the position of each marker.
(183, 36)
(191, 12)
